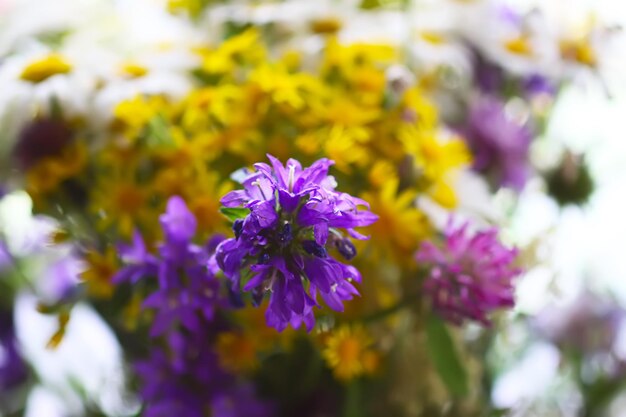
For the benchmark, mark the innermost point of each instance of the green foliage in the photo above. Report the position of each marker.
(443, 353)
(158, 134)
(234, 213)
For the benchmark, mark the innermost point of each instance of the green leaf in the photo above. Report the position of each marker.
(353, 405)
(379, 4)
(234, 213)
(445, 358)
(54, 38)
(158, 133)
(370, 4)
(56, 110)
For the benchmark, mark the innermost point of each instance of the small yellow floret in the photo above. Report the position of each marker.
(133, 70)
(519, 46)
(100, 269)
(45, 68)
(325, 26)
(433, 37)
(580, 51)
(349, 354)
(237, 352)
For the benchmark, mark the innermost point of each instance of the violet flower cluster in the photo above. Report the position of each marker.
(292, 217)
(186, 380)
(500, 145)
(188, 289)
(182, 374)
(470, 276)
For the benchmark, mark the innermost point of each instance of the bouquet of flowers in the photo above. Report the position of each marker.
(274, 214)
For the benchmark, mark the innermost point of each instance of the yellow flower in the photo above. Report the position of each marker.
(347, 113)
(579, 50)
(132, 116)
(193, 7)
(133, 70)
(325, 26)
(209, 107)
(244, 48)
(44, 177)
(381, 171)
(119, 201)
(48, 174)
(345, 58)
(237, 351)
(400, 227)
(419, 109)
(201, 188)
(100, 269)
(45, 68)
(519, 45)
(348, 352)
(437, 160)
(345, 146)
(433, 37)
(284, 88)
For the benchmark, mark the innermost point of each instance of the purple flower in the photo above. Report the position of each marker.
(538, 84)
(488, 76)
(290, 220)
(139, 262)
(61, 280)
(5, 256)
(499, 144)
(186, 379)
(187, 289)
(589, 325)
(13, 370)
(470, 276)
(240, 401)
(42, 138)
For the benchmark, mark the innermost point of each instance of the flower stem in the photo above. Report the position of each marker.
(388, 311)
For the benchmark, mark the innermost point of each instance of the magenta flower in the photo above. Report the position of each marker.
(290, 217)
(470, 276)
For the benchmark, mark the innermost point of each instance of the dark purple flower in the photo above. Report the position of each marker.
(281, 246)
(499, 144)
(186, 379)
(470, 276)
(40, 139)
(187, 289)
(488, 76)
(240, 401)
(13, 370)
(182, 375)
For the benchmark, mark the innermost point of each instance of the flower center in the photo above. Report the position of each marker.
(45, 68)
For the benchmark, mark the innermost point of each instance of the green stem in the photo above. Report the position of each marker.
(389, 311)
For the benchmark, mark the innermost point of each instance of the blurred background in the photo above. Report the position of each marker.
(561, 352)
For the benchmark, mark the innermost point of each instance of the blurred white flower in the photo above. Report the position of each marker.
(87, 365)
